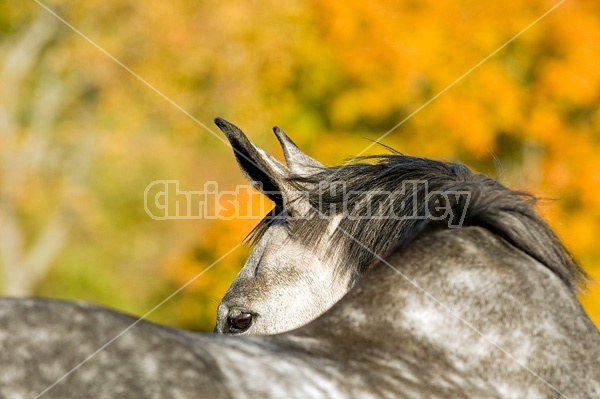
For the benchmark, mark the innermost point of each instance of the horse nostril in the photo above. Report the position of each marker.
(239, 323)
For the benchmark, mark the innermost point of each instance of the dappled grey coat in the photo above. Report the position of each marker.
(478, 319)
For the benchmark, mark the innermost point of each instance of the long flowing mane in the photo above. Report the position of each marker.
(367, 193)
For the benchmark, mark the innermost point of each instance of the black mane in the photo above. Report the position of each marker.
(333, 190)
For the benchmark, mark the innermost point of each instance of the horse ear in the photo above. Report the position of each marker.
(256, 165)
(298, 162)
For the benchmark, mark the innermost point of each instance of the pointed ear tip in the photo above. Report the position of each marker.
(228, 128)
(220, 122)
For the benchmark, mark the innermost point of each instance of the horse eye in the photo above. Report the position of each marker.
(239, 323)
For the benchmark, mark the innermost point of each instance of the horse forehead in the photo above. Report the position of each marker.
(280, 276)
(278, 236)
(282, 258)
(279, 246)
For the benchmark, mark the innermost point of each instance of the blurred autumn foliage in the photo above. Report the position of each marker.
(81, 137)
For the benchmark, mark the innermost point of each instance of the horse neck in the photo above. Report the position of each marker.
(470, 298)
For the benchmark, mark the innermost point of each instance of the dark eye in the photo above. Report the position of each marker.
(239, 322)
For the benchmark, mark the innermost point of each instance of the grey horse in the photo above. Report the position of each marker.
(484, 311)
(487, 310)
(302, 263)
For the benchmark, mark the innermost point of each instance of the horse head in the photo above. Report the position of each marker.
(284, 283)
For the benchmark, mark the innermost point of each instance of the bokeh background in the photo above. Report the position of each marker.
(81, 138)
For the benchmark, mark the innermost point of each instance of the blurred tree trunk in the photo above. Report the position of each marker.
(31, 103)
